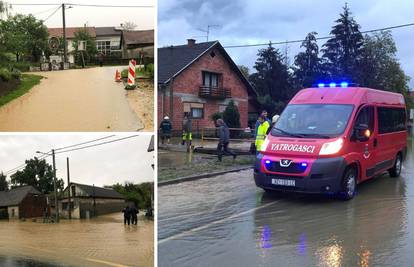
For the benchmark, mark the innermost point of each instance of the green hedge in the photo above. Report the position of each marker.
(5, 75)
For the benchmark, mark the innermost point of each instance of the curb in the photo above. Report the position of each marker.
(201, 176)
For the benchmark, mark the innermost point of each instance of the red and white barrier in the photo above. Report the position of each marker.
(131, 72)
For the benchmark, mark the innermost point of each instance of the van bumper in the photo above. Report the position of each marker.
(325, 177)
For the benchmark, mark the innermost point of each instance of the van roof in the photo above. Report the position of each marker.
(347, 95)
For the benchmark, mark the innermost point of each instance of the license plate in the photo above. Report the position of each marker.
(283, 182)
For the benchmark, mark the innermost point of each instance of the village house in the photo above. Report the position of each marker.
(70, 35)
(88, 201)
(137, 44)
(200, 79)
(22, 202)
(111, 42)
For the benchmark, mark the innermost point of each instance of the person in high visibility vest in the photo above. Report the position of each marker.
(187, 131)
(261, 132)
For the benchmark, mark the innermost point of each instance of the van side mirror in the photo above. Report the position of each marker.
(362, 132)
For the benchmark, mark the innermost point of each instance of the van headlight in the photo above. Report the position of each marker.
(331, 147)
(264, 145)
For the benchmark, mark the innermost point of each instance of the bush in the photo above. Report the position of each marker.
(216, 115)
(231, 116)
(5, 75)
(16, 74)
(124, 74)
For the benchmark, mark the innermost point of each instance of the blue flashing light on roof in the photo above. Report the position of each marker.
(344, 84)
(321, 85)
(332, 85)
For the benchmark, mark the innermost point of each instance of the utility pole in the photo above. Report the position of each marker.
(54, 185)
(69, 189)
(64, 35)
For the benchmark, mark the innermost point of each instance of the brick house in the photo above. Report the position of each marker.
(200, 79)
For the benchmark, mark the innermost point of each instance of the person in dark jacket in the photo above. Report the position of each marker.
(224, 136)
(187, 131)
(134, 215)
(127, 215)
(165, 130)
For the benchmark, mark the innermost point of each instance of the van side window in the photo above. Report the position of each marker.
(391, 120)
(366, 116)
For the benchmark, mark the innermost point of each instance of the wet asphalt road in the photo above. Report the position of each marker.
(227, 221)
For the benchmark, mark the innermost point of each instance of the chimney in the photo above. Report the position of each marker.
(191, 42)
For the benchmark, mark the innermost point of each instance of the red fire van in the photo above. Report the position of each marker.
(329, 139)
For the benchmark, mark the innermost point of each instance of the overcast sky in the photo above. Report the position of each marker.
(259, 21)
(126, 160)
(77, 16)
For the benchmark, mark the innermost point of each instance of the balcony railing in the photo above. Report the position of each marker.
(214, 92)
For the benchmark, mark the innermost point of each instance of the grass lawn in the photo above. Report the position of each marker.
(27, 82)
(205, 166)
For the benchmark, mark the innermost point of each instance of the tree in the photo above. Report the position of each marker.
(272, 77)
(128, 26)
(24, 36)
(140, 194)
(342, 52)
(4, 184)
(4, 9)
(244, 70)
(90, 52)
(307, 66)
(231, 116)
(379, 65)
(37, 173)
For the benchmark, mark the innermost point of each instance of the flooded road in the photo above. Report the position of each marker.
(103, 241)
(227, 221)
(72, 100)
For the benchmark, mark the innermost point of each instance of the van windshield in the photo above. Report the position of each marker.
(313, 120)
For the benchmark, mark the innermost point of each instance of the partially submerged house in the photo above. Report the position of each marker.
(88, 201)
(22, 202)
(200, 79)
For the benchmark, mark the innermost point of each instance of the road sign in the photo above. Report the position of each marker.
(54, 44)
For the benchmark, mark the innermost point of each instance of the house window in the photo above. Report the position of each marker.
(103, 47)
(196, 110)
(197, 113)
(210, 79)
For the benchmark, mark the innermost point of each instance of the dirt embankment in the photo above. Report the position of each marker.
(141, 101)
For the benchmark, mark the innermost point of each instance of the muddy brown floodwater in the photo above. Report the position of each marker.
(103, 241)
(72, 100)
(227, 221)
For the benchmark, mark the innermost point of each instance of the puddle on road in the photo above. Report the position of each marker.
(72, 100)
(227, 221)
(80, 242)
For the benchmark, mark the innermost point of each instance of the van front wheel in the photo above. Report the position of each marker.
(395, 171)
(349, 182)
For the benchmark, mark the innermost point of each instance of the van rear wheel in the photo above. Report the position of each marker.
(395, 171)
(349, 182)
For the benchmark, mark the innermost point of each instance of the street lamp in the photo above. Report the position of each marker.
(54, 182)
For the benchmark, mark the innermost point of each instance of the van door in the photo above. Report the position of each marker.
(367, 149)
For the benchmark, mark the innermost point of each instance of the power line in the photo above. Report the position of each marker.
(32, 4)
(44, 11)
(85, 5)
(318, 38)
(103, 143)
(51, 14)
(83, 143)
(22, 166)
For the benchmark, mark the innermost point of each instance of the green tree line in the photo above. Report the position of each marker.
(364, 60)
